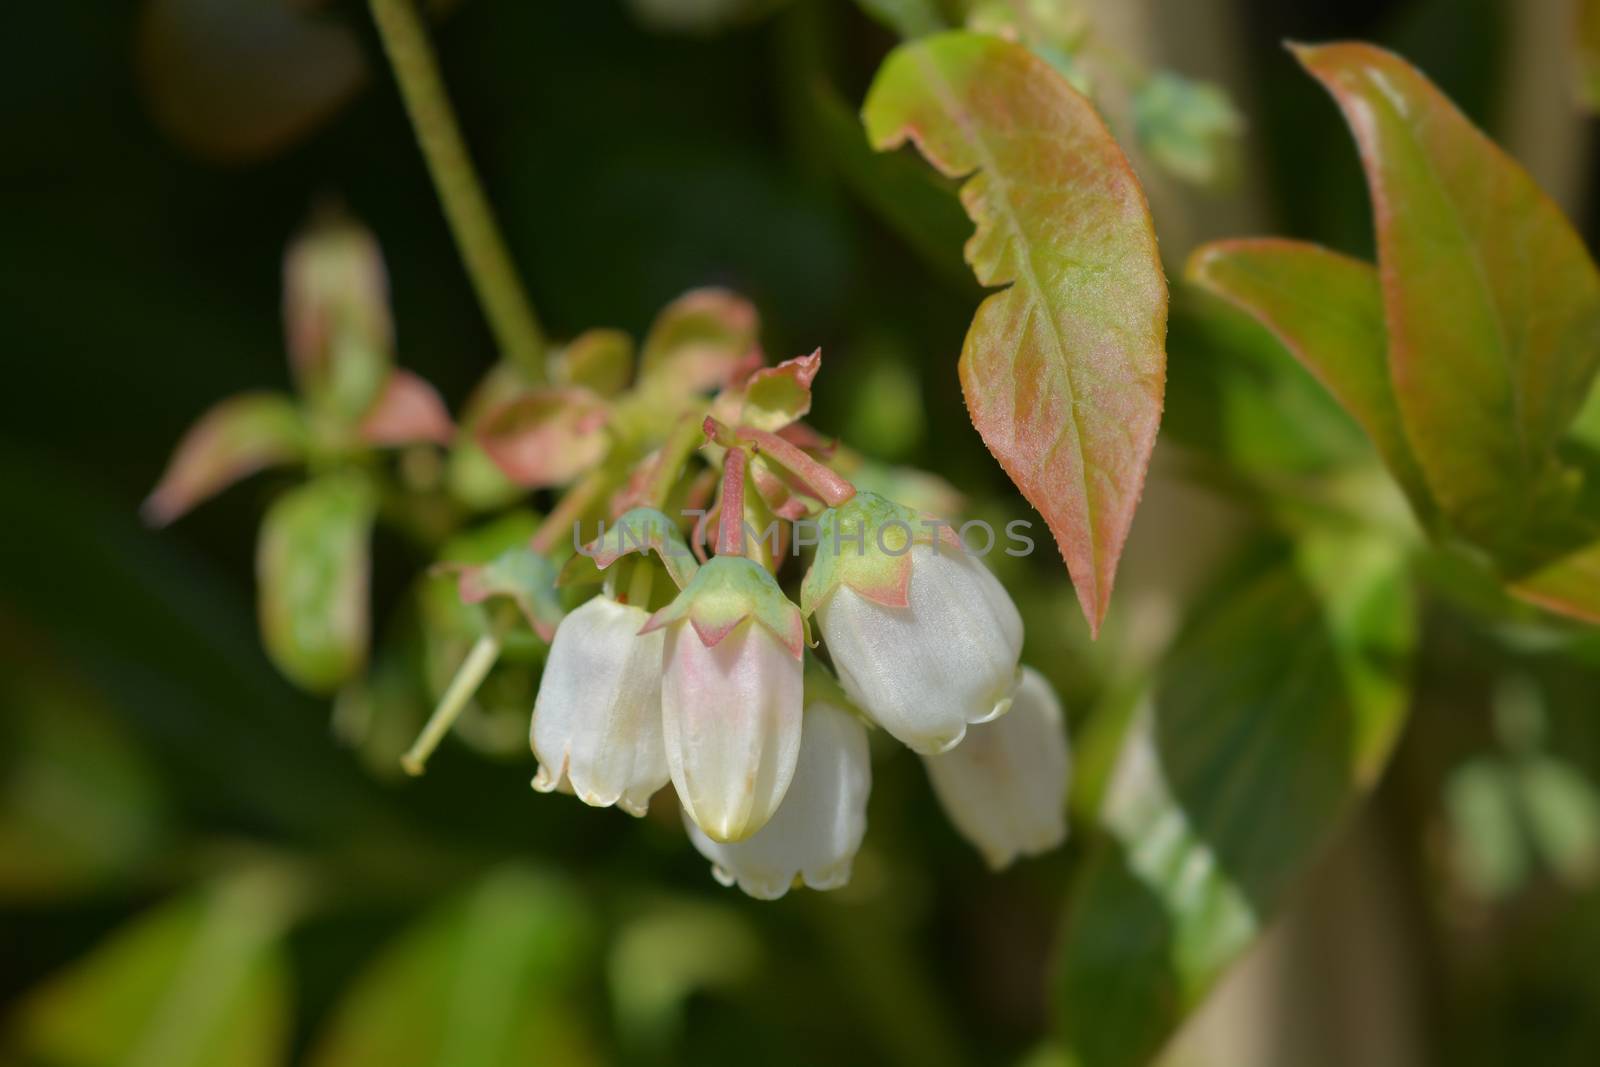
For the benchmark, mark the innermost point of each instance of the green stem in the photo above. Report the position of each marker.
(468, 677)
(680, 444)
(511, 317)
(570, 509)
(639, 584)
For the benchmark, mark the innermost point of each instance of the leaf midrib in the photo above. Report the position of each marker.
(1000, 199)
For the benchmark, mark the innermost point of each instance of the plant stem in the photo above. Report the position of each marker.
(511, 317)
(640, 583)
(822, 482)
(675, 452)
(468, 677)
(570, 509)
(730, 531)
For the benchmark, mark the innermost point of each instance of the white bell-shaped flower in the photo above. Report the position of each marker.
(597, 719)
(1004, 787)
(731, 696)
(944, 658)
(813, 837)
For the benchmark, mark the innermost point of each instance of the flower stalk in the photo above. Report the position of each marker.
(416, 69)
(570, 509)
(821, 481)
(730, 528)
(467, 678)
(675, 452)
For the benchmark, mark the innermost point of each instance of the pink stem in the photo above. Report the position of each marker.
(730, 531)
(822, 482)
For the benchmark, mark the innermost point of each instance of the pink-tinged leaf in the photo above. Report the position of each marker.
(408, 411)
(1492, 304)
(336, 317)
(313, 562)
(546, 437)
(701, 341)
(1064, 368)
(236, 438)
(774, 397)
(600, 360)
(1569, 586)
(1326, 309)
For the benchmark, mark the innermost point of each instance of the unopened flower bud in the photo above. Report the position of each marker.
(813, 837)
(1004, 787)
(731, 696)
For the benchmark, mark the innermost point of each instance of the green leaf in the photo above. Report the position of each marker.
(1190, 128)
(477, 983)
(1586, 46)
(1563, 812)
(908, 18)
(312, 568)
(1276, 709)
(1326, 309)
(546, 437)
(664, 957)
(1489, 850)
(201, 982)
(1568, 586)
(336, 317)
(236, 438)
(79, 806)
(1063, 369)
(698, 342)
(1491, 301)
(598, 360)
(1248, 416)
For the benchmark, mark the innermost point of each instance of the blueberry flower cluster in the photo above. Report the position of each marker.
(716, 691)
(748, 688)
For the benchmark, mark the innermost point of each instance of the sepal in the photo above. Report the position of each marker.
(523, 575)
(727, 591)
(865, 543)
(642, 530)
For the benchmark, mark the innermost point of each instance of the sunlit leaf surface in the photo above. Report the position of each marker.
(1326, 309)
(1064, 368)
(1277, 708)
(1491, 301)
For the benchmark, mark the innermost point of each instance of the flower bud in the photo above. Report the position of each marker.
(924, 638)
(597, 719)
(1004, 787)
(731, 695)
(813, 837)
